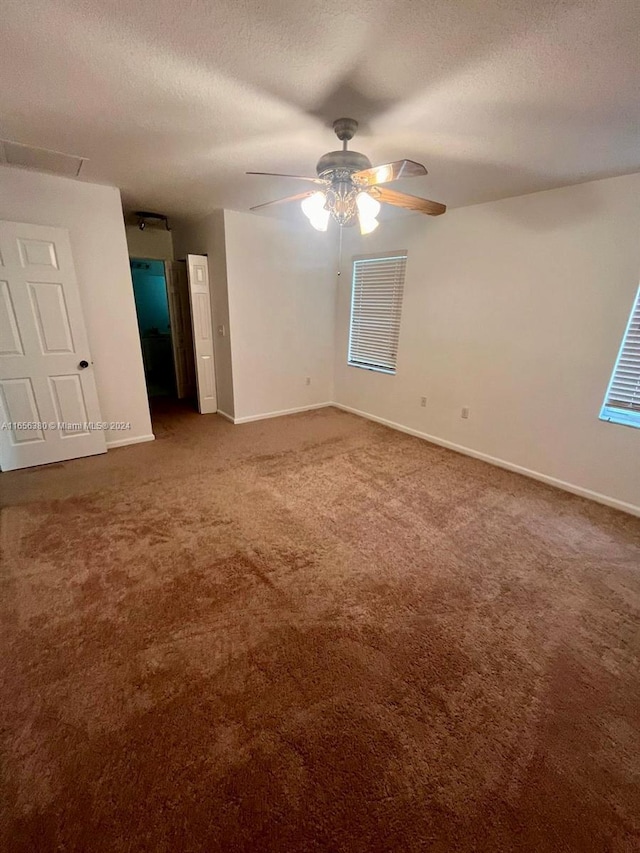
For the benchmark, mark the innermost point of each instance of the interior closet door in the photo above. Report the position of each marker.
(202, 328)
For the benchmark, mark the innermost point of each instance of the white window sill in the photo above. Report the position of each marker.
(620, 416)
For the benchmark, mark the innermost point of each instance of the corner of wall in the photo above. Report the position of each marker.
(219, 276)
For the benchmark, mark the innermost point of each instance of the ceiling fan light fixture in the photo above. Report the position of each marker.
(313, 207)
(367, 224)
(368, 207)
(351, 187)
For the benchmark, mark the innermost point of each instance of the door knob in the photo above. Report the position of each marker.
(83, 364)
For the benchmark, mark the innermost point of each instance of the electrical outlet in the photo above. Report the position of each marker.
(308, 380)
(465, 412)
(423, 401)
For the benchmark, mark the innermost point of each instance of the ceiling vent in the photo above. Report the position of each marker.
(40, 159)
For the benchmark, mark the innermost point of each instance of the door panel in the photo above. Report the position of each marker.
(69, 402)
(50, 316)
(201, 316)
(10, 342)
(208, 377)
(19, 402)
(202, 325)
(37, 253)
(47, 401)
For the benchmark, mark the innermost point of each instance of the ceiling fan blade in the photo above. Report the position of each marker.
(283, 200)
(409, 202)
(389, 172)
(297, 177)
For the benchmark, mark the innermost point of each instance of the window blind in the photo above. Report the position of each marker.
(376, 308)
(623, 395)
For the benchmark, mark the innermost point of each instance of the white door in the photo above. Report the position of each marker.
(48, 398)
(180, 319)
(202, 326)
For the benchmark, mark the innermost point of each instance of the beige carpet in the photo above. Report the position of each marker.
(314, 633)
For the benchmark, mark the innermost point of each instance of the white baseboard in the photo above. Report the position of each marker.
(266, 415)
(122, 442)
(225, 415)
(632, 509)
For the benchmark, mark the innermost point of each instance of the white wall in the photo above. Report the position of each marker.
(93, 216)
(273, 289)
(156, 243)
(516, 309)
(281, 311)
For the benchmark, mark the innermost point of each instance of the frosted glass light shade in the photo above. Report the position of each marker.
(313, 209)
(367, 223)
(368, 207)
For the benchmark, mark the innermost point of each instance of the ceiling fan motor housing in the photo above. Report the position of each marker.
(341, 161)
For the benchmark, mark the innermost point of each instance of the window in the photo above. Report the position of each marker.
(622, 401)
(376, 306)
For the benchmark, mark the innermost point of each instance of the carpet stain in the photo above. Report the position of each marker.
(314, 634)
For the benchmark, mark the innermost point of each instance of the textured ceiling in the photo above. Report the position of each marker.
(172, 102)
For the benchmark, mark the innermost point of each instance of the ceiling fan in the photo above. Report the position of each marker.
(350, 186)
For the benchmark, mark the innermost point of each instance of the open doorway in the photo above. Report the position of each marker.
(154, 325)
(162, 306)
